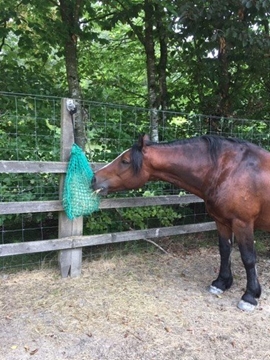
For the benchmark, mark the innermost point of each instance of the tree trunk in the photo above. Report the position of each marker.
(149, 45)
(223, 108)
(156, 71)
(70, 11)
(162, 66)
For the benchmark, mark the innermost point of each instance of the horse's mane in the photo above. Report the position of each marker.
(136, 158)
(215, 143)
(214, 147)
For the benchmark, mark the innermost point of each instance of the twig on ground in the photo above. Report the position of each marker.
(148, 240)
(158, 246)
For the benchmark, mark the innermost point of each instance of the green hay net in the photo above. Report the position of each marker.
(78, 198)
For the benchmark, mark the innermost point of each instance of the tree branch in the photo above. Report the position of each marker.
(4, 37)
(133, 27)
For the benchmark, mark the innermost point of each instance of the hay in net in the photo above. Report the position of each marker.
(78, 197)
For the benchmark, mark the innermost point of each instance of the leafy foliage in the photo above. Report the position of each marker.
(218, 52)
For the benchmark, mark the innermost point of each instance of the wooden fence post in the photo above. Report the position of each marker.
(70, 260)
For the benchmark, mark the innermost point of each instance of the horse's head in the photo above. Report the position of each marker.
(126, 172)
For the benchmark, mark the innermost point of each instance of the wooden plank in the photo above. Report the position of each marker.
(20, 167)
(113, 203)
(97, 166)
(108, 203)
(79, 241)
(21, 207)
(53, 167)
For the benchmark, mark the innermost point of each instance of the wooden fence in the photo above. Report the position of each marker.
(70, 240)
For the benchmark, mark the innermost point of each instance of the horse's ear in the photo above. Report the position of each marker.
(143, 139)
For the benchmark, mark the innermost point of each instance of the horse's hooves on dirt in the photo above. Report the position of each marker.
(245, 306)
(214, 290)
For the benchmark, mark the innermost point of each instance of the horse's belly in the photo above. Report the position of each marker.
(262, 222)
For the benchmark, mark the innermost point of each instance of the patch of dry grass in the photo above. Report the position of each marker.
(145, 306)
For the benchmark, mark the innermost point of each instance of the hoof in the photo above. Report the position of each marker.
(245, 306)
(214, 290)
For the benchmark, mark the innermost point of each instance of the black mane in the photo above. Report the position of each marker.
(214, 147)
(215, 142)
(136, 158)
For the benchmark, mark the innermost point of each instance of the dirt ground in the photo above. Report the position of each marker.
(134, 307)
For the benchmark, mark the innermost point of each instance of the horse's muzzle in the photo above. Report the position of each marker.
(98, 188)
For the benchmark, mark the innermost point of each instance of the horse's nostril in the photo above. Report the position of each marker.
(94, 180)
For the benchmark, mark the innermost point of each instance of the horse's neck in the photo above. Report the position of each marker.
(184, 169)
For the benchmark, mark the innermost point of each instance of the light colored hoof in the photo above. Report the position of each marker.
(215, 291)
(245, 306)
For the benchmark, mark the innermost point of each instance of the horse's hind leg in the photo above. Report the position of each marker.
(245, 239)
(225, 279)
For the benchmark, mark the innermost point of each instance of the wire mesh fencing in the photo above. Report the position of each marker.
(30, 130)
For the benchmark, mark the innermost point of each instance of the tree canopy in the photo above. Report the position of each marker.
(209, 57)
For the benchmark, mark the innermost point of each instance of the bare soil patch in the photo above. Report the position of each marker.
(145, 306)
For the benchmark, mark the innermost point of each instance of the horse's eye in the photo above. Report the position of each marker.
(125, 162)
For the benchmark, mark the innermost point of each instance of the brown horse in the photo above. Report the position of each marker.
(232, 176)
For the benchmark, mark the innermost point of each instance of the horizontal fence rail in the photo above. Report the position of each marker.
(54, 167)
(74, 242)
(114, 203)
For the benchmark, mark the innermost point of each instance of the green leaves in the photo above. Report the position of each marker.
(112, 59)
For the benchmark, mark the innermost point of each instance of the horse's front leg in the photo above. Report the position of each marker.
(225, 279)
(245, 239)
